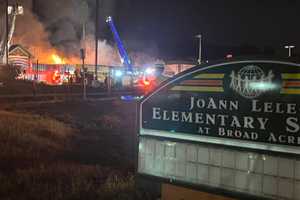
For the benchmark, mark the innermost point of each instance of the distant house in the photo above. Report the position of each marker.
(19, 56)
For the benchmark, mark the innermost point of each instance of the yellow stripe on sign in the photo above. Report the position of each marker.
(210, 76)
(197, 89)
(290, 91)
(290, 76)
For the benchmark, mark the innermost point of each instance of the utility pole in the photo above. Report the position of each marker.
(200, 48)
(289, 47)
(83, 41)
(96, 39)
(82, 56)
(7, 32)
(37, 70)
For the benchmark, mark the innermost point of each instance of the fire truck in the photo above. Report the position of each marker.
(50, 74)
(149, 78)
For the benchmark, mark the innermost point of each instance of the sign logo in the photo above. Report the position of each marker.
(251, 81)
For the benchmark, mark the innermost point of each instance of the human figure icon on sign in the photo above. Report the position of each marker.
(246, 84)
(232, 76)
(269, 77)
(239, 82)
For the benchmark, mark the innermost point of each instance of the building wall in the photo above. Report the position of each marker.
(173, 69)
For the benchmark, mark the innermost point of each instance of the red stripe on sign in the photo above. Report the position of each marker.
(291, 84)
(203, 82)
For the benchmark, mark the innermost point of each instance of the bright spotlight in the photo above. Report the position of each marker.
(150, 71)
(108, 19)
(263, 86)
(20, 10)
(10, 10)
(118, 73)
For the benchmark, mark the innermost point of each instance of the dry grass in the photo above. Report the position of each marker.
(34, 165)
(31, 137)
(65, 181)
(25, 124)
(109, 122)
(68, 182)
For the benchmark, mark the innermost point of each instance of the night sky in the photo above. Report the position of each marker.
(167, 28)
(172, 25)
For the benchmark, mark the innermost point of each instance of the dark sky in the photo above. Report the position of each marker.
(167, 28)
(172, 24)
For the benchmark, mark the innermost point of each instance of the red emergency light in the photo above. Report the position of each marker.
(146, 82)
(229, 56)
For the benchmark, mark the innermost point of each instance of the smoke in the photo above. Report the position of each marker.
(58, 29)
(107, 54)
(144, 60)
(64, 20)
(61, 34)
(31, 34)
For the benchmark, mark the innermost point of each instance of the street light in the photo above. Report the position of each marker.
(19, 10)
(289, 47)
(200, 48)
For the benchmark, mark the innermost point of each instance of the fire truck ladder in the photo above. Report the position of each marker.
(123, 54)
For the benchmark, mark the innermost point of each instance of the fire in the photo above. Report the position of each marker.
(57, 60)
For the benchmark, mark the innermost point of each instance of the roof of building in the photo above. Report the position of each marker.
(184, 62)
(17, 49)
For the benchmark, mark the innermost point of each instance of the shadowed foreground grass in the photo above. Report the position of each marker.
(33, 164)
(26, 137)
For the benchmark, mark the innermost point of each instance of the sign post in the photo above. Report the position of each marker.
(226, 127)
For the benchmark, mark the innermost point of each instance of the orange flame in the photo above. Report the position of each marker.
(57, 60)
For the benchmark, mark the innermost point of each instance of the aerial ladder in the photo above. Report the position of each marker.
(126, 60)
(122, 52)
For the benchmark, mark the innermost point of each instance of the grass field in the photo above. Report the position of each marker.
(71, 150)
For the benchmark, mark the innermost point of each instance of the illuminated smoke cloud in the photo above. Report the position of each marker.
(63, 20)
(58, 30)
(31, 34)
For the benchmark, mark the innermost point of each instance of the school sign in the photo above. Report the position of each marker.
(249, 109)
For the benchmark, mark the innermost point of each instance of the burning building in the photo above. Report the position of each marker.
(51, 36)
